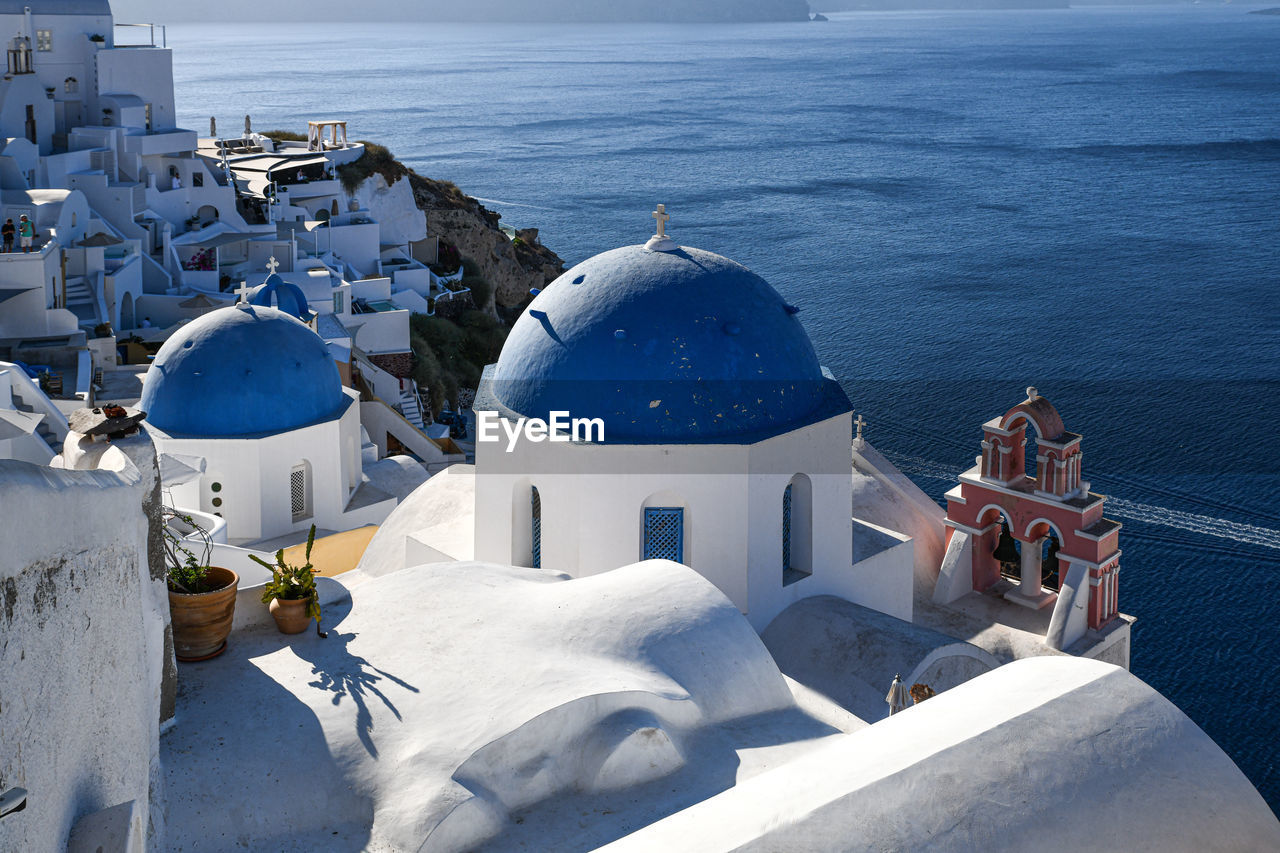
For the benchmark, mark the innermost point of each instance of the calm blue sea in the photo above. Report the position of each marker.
(963, 204)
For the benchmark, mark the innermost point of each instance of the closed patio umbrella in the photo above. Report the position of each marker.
(101, 239)
(898, 696)
(200, 301)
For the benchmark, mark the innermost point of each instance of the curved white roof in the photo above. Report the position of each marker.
(449, 698)
(1046, 754)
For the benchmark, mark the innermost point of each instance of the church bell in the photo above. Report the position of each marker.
(1006, 550)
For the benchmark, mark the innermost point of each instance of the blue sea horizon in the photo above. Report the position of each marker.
(961, 203)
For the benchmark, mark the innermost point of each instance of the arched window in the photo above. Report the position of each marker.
(71, 85)
(786, 527)
(535, 519)
(797, 529)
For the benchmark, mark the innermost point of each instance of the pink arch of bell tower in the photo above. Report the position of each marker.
(1004, 514)
(1052, 526)
(1042, 415)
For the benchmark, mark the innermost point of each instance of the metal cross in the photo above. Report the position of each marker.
(859, 423)
(243, 292)
(273, 265)
(663, 218)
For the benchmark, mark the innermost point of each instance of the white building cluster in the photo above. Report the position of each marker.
(672, 633)
(143, 232)
(141, 226)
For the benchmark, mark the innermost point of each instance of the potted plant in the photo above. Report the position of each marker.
(202, 598)
(291, 592)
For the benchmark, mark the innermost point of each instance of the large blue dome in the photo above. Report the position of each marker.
(666, 346)
(241, 371)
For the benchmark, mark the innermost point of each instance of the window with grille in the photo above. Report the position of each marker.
(664, 533)
(797, 530)
(44, 40)
(299, 497)
(535, 517)
(786, 529)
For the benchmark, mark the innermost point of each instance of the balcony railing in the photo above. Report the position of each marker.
(151, 29)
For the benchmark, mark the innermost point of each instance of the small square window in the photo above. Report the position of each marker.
(44, 40)
(197, 179)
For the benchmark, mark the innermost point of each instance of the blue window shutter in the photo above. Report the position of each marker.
(664, 533)
(535, 512)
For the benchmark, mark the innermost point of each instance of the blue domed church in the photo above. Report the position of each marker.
(687, 418)
(251, 398)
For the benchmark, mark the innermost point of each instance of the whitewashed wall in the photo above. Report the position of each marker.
(82, 646)
(254, 475)
(593, 497)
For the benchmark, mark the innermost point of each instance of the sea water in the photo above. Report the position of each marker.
(962, 204)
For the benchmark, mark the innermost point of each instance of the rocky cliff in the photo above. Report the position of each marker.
(512, 267)
(391, 191)
(451, 348)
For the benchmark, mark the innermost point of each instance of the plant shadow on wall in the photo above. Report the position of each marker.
(345, 674)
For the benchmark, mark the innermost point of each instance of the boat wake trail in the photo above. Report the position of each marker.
(915, 466)
(1250, 534)
(1206, 525)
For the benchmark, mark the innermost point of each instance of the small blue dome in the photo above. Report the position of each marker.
(680, 346)
(240, 371)
(289, 297)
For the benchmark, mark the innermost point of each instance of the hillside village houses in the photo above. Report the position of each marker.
(142, 226)
(698, 628)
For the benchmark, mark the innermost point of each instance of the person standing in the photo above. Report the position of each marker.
(7, 231)
(26, 233)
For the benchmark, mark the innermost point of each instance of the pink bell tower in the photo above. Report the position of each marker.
(1010, 516)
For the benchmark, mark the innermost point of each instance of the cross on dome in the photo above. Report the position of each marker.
(663, 218)
(273, 264)
(660, 242)
(243, 292)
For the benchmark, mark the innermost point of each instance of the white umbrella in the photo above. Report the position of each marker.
(179, 468)
(15, 423)
(898, 696)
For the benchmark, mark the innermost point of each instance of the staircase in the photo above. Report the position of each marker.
(411, 409)
(81, 300)
(27, 397)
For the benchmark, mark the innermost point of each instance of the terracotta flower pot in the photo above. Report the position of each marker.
(290, 615)
(202, 621)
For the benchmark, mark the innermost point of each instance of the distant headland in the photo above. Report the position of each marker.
(487, 11)
(628, 11)
(879, 5)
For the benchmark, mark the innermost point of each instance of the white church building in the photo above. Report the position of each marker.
(249, 398)
(725, 443)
